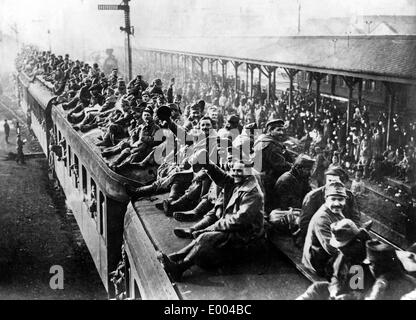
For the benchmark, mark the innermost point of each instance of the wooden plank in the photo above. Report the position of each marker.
(153, 282)
(285, 245)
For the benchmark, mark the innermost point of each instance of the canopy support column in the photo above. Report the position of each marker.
(291, 74)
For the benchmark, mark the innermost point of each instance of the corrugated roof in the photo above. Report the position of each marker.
(384, 56)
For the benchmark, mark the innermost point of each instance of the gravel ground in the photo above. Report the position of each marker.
(36, 233)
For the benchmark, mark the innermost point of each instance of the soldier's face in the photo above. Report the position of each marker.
(335, 203)
(205, 126)
(146, 116)
(145, 98)
(278, 132)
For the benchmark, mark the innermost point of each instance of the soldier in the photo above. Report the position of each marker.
(316, 198)
(225, 238)
(293, 185)
(271, 158)
(318, 253)
(19, 146)
(391, 280)
(6, 131)
(351, 243)
(143, 145)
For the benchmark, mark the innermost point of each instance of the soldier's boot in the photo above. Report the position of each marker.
(175, 193)
(106, 142)
(87, 127)
(141, 191)
(147, 162)
(183, 203)
(124, 155)
(196, 214)
(186, 233)
(175, 269)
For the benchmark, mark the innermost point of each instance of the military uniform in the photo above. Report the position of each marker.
(314, 200)
(270, 155)
(317, 251)
(231, 227)
(290, 189)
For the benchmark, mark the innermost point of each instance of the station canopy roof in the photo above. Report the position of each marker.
(386, 58)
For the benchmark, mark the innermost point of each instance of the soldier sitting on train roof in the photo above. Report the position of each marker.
(316, 198)
(351, 244)
(271, 155)
(81, 100)
(220, 240)
(93, 120)
(207, 139)
(118, 122)
(143, 144)
(293, 185)
(318, 252)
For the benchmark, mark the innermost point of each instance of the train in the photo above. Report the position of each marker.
(95, 194)
(118, 231)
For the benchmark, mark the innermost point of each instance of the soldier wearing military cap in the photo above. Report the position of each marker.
(391, 280)
(270, 157)
(351, 244)
(227, 236)
(316, 198)
(318, 253)
(293, 185)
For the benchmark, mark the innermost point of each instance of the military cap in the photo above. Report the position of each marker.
(148, 110)
(337, 171)
(201, 104)
(335, 189)
(380, 253)
(196, 107)
(304, 161)
(276, 122)
(343, 232)
(233, 119)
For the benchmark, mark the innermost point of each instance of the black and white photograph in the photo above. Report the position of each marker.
(207, 150)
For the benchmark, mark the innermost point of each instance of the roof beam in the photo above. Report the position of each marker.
(359, 74)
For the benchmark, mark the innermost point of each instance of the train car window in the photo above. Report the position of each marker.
(95, 212)
(84, 180)
(69, 156)
(103, 213)
(75, 170)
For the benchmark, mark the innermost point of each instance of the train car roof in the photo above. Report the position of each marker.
(41, 93)
(87, 143)
(259, 278)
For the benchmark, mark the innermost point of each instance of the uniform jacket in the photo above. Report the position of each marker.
(243, 206)
(290, 189)
(317, 251)
(147, 133)
(273, 161)
(316, 198)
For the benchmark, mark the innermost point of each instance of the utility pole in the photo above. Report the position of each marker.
(299, 10)
(128, 29)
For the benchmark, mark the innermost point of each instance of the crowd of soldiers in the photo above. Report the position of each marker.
(227, 169)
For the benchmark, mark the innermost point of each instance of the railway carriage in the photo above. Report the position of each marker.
(95, 194)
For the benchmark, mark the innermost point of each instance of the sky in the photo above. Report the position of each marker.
(77, 27)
